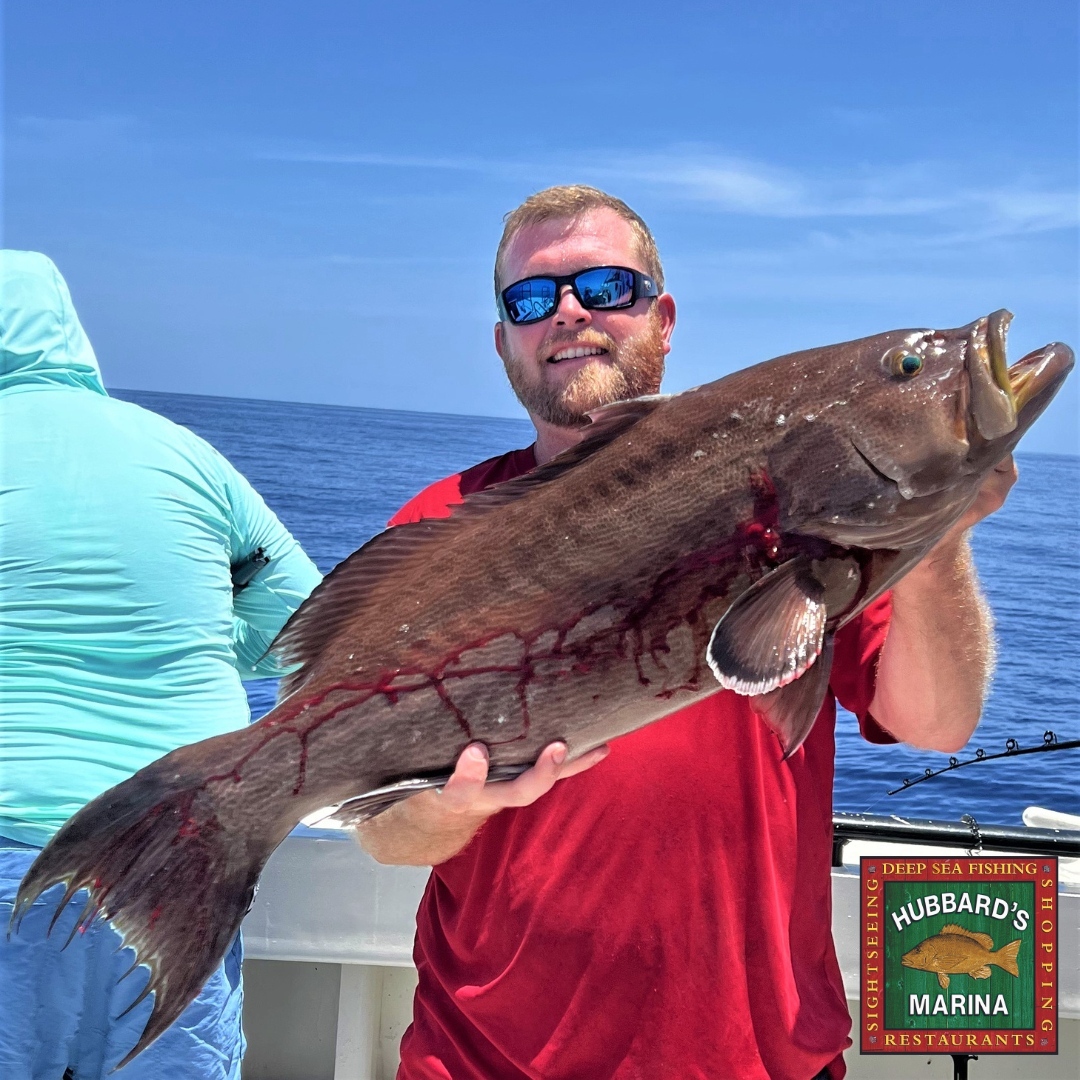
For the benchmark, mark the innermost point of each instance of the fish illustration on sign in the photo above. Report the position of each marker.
(713, 539)
(957, 951)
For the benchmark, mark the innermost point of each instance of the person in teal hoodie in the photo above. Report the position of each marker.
(141, 579)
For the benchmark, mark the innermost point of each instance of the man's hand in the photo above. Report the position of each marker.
(992, 494)
(468, 793)
(939, 655)
(431, 827)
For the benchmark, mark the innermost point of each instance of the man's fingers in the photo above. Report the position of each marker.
(468, 792)
(586, 761)
(466, 786)
(537, 781)
(995, 489)
(991, 496)
(1007, 472)
(550, 767)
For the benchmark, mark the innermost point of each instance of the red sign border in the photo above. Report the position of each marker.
(1044, 873)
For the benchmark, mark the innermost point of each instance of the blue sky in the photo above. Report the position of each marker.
(301, 201)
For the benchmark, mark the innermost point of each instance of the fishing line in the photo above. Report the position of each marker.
(1012, 749)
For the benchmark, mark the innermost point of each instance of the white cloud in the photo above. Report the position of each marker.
(397, 161)
(934, 199)
(917, 190)
(1034, 211)
(731, 185)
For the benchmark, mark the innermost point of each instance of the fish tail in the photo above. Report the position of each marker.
(159, 864)
(1005, 957)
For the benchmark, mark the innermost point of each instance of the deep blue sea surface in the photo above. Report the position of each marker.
(335, 475)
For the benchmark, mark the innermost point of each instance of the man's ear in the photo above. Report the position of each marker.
(499, 340)
(665, 306)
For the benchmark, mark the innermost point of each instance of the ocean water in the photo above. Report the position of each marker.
(335, 475)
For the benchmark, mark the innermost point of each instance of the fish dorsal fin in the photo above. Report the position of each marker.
(337, 599)
(606, 425)
(985, 940)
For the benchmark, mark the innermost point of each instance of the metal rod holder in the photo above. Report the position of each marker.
(960, 1065)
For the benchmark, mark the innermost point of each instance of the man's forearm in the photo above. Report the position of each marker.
(416, 833)
(938, 657)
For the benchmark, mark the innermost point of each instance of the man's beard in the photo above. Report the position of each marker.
(628, 371)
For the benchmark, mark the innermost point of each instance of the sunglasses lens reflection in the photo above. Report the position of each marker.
(529, 301)
(605, 287)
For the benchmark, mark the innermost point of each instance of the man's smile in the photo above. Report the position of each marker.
(575, 352)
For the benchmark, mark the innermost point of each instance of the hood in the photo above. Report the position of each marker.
(41, 339)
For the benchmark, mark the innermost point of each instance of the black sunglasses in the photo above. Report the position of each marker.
(599, 288)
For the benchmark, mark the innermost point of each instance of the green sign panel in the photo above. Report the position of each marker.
(956, 955)
(959, 955)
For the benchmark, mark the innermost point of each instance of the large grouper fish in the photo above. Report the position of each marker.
(714, 538)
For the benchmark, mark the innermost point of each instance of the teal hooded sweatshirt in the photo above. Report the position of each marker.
(120, 636)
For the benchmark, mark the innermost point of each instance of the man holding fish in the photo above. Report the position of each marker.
(667, 914)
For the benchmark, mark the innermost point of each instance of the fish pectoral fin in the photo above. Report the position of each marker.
(981, 973)
(791, 710)
(772, 633)
(371, 803)
(771, 644)
(775, 631)
(953, 962)
(943, 980)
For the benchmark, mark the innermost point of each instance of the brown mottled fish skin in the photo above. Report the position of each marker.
(957, 951)
(733, 527)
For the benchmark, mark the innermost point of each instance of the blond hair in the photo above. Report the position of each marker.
(570, 201)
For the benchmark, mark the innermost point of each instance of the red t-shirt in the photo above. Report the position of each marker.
(666, 914)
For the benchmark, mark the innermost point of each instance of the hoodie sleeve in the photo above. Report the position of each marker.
(263, 607)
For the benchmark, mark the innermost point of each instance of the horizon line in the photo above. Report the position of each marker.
(428, 412)
(320, 404)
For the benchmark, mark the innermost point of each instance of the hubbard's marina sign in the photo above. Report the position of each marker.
(959, 955)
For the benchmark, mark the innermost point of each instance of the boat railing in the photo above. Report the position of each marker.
(966, 833)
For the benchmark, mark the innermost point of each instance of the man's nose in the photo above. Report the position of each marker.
(570, 311)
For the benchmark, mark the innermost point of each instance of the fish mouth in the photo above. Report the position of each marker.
(906, 961)
(993, 405)
(1002, 397)
(1034, 379)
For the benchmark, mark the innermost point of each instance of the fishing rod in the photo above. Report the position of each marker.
(1012, 749)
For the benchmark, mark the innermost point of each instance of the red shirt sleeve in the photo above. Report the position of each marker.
(435, 501)
(854, 673)
(438, 500)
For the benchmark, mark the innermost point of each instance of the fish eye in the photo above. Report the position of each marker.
(903, 363)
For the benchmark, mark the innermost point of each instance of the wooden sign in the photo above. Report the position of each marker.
(959, 955)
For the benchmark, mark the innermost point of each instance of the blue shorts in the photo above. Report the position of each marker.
(59, 1007)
